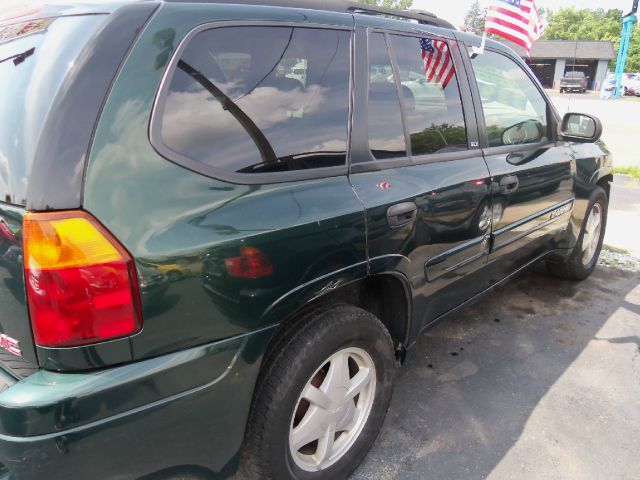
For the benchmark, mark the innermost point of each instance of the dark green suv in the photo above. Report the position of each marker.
(222, 226)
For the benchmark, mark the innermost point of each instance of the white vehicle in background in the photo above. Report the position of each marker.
(633, 88)
(608, 88)
(299, 72)
(630, 85)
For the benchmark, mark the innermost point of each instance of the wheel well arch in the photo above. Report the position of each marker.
(387, 296)
(605, 183)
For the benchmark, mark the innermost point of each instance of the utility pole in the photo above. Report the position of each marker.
(628, 21)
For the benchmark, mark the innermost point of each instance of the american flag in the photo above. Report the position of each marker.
(438, 65)
(515, 20)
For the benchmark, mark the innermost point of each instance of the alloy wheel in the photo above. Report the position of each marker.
(591, 237)
(333, 409)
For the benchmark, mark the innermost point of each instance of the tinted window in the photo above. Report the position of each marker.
(260, 99)
(515, 112)
(433, 107)
(386, 134)
(34, 61)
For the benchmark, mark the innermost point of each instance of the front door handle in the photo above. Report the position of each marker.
(402, 214)
(509, 184)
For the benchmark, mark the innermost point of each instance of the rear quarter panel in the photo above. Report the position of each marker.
(172, 219)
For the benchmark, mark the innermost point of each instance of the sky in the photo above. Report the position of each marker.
(455, 10)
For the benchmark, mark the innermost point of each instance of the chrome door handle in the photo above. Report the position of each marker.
(402, 214)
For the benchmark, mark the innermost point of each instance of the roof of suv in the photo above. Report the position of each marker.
(344, 6)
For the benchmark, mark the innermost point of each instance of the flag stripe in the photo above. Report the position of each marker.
(438, 65)
(510, 25)
(507, 13)
(515, 20)
(508, 36)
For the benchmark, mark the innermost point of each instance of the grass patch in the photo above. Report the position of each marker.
(632, 171)
(609, 248)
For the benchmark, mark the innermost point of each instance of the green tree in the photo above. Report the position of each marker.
(400, 4)
(585, 24)
(475, 19)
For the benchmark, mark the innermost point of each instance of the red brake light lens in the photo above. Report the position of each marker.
(81, 283)
(251, 263)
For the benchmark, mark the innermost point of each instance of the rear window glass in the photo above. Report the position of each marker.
(575, 75)
(260, 99)
(35, 58)
(433, 106)
(386, 133)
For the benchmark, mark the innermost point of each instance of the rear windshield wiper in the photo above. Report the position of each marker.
(18, 58)
(261, 142)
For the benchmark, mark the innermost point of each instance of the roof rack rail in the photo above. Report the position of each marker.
(421, 16)
(345, 6)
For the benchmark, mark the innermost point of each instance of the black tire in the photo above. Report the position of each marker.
(574, 268)
(561, 90)
(302, 349)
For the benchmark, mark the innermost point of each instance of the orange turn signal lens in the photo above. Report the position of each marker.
(62, 240)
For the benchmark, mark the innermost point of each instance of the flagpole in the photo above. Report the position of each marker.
(480, 50)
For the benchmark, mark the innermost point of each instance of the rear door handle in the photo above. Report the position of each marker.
(402, 214)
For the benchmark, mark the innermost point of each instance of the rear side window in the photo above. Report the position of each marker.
(260, 99)
(386, 134)
(515, 112)
(433, 107)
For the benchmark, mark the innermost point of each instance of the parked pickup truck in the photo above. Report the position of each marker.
(574, 81)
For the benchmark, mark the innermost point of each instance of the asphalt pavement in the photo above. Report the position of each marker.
(539, 380)
(623, 223)
(620, 121)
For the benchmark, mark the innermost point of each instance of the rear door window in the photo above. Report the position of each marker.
(386, 133)
(260, 99)
(433, 107)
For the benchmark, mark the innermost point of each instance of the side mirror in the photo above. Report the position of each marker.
(529, 131)
(580, 128)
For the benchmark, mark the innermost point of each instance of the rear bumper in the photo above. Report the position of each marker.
(184, 411)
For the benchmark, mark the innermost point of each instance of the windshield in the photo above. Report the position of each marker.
(35, 58)
(575, 75)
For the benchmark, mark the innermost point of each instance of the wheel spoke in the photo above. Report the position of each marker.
(586, 242)
(325, 444)
(588, 233)
(358, 382)
(349, 420)
(309, 429)
(315, 396)
(591, 235)
(338, 374)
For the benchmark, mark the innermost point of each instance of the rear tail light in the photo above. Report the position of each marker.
(251, 263)
(81, 283)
